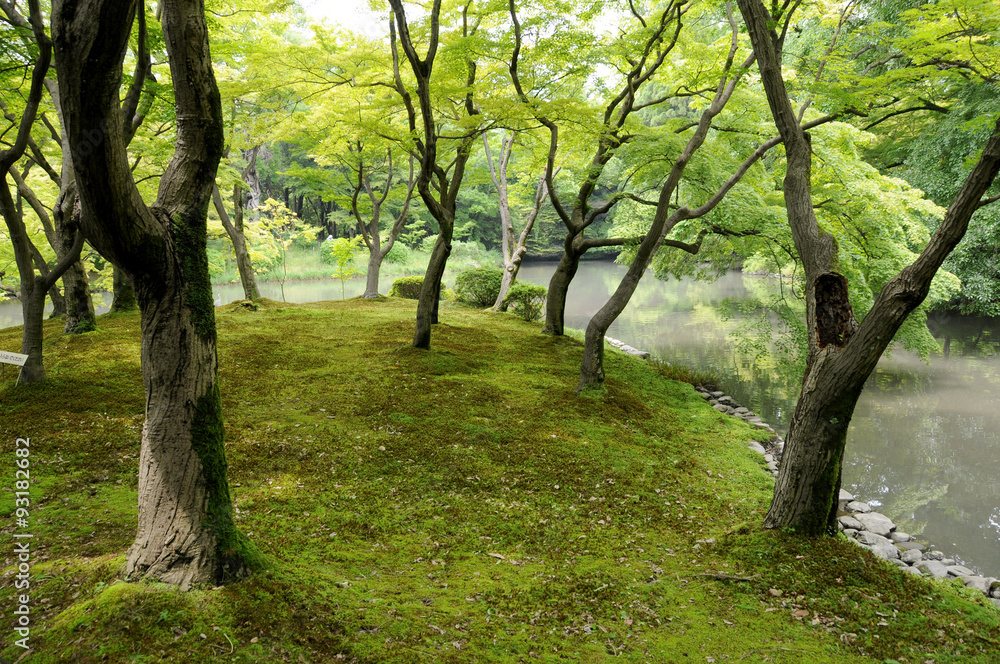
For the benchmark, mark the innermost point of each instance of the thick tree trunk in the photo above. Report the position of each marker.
(374, 267)
(124, 293)
(186, 533)
(80, 314)
(430, 291)
(555, 301)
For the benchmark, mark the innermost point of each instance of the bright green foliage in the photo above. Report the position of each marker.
(400, 254)
(880, 224)
(409, 287)
(526, 300)
(341, 253)
(479, 286)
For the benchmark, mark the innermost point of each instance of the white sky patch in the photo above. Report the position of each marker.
(352, 14)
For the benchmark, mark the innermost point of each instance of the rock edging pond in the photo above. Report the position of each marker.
(866, 528)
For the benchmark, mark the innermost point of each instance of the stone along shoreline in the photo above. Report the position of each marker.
(871, 530)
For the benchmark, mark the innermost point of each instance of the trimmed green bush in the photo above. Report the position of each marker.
(409, 287)
(526, 300)
(479, 286)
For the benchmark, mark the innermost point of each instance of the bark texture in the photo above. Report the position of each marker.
(124, 293)
(841, 354)
(186, 534)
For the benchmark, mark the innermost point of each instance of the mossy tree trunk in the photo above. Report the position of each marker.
(841, 353)
(186, 533)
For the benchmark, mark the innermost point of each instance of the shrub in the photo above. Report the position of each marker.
(409, 287)
(526, 300)
(479, 286)
(400, 254)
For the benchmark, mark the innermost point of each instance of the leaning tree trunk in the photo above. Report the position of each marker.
(234, 228)
(510, 271)
(430, 291)
(841, 353)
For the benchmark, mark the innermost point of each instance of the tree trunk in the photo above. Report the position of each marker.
(234, 228)
(430, 291)
(555, 301)
(510, 271)
(374, 267)
(33, 312)
(58, 302)
(124, 293)
(186, 533)
(841, 353)
(80, 314)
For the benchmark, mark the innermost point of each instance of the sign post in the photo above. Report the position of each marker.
(17, 359)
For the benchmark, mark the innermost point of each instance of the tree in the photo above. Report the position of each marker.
(592, 366)
(186, 533)
(362, 168)
(841, 353)
(514, 246)
(438, 185)
(33, 288)
(638, 53)
(234, 228)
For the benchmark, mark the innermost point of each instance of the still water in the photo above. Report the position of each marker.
(924, 445)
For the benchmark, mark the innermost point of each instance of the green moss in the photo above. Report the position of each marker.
(189, 235)
(457, 505)
(236, 555)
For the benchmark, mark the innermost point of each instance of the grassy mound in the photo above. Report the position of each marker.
(453, 505)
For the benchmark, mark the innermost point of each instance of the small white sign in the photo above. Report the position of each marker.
(13, 358)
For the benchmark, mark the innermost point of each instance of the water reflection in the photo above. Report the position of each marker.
(923, 444)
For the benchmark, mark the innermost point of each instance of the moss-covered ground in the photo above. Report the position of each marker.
(454, 505)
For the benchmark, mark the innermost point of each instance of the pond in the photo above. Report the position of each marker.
(924, 445)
